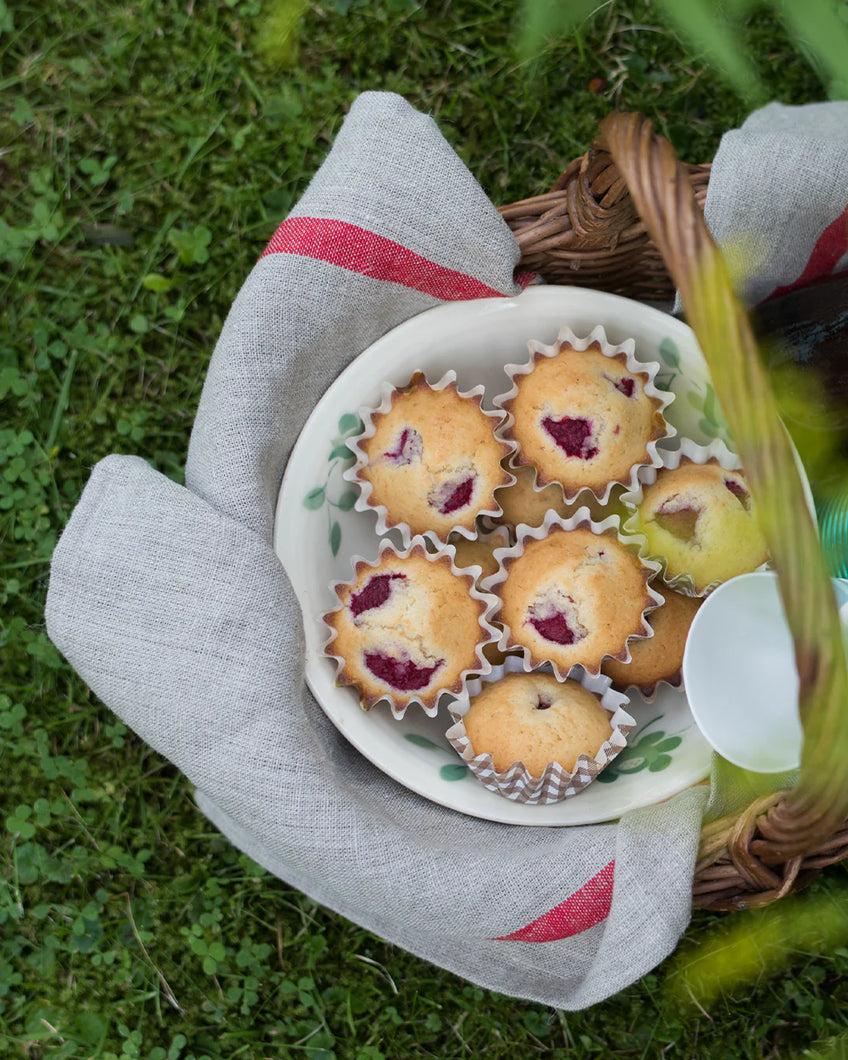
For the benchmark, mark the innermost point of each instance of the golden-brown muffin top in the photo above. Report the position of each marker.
(574, 597)
(583, 419)
(434, 461)
(536, 719)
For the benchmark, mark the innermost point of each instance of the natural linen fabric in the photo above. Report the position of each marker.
(778, 195)
(172, 605)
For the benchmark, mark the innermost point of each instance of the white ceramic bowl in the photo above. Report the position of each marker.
(317, 531)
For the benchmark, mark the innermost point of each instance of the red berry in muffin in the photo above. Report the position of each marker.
(406, 629)
(433, 461)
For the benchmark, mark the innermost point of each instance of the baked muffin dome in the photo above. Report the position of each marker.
(700, 519)
(574, 596)
(406, 629)
(522, 503)
(660, 657)
(536, 719)
(433, 461)
(479, 551)
(583, 419)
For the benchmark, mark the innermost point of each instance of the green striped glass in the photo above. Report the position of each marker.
(833, 527)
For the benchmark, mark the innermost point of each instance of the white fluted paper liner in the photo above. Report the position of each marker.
(566, 336)
(555, 783)
(632, 498)
(581, 518)
(499, 538)
(364, 501)
(399, 702)
(649, 692)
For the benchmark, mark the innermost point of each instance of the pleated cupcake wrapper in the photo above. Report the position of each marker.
(353, 474)
(650, 692)
(555, 783)
(698, 454)
(567, 337)
(399, 702)
(499, 533)
(581, 518)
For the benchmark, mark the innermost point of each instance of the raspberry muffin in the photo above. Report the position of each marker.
(408, 629)
(699, 519)
(585, 414)
(433, 462)
(535, 739)
(573, 596)
(660, 657)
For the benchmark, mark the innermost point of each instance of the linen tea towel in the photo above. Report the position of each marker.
(172, 605)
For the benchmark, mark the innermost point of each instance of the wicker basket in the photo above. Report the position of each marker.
(627, 218)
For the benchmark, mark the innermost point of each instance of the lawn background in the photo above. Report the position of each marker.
(149, 149)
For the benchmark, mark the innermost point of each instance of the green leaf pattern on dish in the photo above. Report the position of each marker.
(670, 356)
(452, 771)
(651, 751)
(455, 771)
(702, 399)
(315, 498)
(339, 459)
(420, 741)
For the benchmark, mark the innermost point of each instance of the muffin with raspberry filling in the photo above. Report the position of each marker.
(407, 629)
(433, 462)
(573, 597)
(700, 521)
(583, 417)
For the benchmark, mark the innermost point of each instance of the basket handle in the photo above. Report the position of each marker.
(794, 824)
(585, 231)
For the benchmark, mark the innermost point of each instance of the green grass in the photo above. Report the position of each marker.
(149, 150)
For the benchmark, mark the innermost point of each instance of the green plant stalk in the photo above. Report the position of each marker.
(757, 944)
(819, 804)
(698, 21)
(817, 28)
(727, 342)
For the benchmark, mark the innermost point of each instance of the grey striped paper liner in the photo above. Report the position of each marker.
(556, 783)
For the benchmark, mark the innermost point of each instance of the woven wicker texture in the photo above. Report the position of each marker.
(586, 231)
(627, 218)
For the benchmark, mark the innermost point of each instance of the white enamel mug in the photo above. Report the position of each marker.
(740, 676)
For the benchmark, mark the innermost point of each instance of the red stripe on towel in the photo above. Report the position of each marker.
(358, 250)
(831, 245)
(581, 911)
